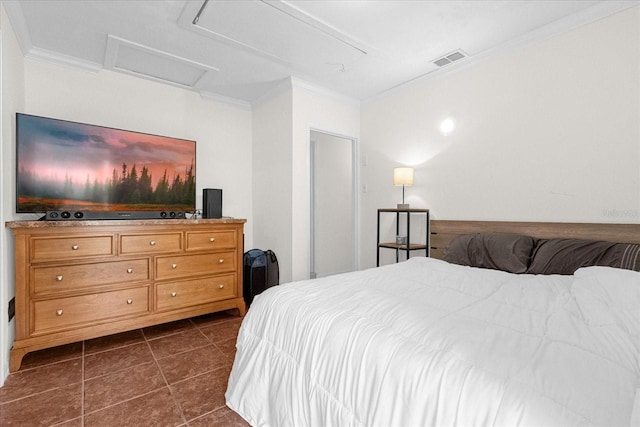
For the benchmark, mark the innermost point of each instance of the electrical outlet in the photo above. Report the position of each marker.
(12, 308)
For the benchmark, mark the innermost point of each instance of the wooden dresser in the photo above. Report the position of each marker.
(77, 280)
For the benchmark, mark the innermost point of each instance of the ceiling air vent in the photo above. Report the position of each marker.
(449, 58)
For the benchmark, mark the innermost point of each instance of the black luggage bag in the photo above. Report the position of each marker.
(260, 271)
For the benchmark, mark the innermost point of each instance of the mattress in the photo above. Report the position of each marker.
(428, 343)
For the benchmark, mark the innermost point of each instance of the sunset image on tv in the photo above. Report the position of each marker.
(64, 165)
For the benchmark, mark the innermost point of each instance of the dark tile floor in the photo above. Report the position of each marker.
(173, 374)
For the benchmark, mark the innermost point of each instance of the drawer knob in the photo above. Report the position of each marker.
(173, 294)
(129, 301)
(74, 247)
(59, 278)
(58, 312)
(152, 243)
(212, 239)
(220, 286)
(129, 270)
(174, 266)
(221, 260)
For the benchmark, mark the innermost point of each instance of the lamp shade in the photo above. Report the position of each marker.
(403, 176)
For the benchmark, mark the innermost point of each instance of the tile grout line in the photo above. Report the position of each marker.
(145, 341)
(173, 398)
(81, 357)
(36, 394)
(57, 362)
(114, 348)
(215, 344)
(45, 390)
(82, 388)
(124, 401)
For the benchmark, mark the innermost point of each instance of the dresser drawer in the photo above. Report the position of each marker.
(61, 313)
(150, 243)
(170, 267)
(197, 291)
(70, 277)
(206, 240)
(59, 248)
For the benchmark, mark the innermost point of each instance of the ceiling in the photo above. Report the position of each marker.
(239, 50)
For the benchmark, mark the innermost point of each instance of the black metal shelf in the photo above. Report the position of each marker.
(408, 247)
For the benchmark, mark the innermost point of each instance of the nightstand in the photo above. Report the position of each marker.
(407, 246)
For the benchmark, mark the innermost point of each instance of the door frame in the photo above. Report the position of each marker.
(355, 201)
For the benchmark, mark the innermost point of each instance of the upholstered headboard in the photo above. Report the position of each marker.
(444, 231)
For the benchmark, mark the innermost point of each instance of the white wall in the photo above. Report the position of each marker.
(324, 111)
(272, 166)
(281, 184)
(547, 133)
(222, 133)
(12, 95)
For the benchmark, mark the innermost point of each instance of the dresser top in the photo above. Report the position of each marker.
(121, 222)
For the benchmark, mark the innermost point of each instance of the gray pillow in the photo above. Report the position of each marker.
(565, 256)
(497, 251)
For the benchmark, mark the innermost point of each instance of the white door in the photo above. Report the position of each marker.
(333, 205)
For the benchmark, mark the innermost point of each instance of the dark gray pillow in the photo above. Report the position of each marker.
(565, 256)
(497, 251)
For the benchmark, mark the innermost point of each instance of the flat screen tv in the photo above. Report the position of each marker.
(101, 171)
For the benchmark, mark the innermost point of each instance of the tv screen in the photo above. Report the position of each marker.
(68, 166)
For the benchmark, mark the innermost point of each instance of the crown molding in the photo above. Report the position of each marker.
(64, 60)
(313, 89)
(19, 25)
(294, 83)
(278, 87)
(21, 31)
(225, 100)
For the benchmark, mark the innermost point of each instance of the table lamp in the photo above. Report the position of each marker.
(403, 177)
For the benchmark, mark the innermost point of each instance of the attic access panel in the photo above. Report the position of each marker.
(277, 31)
(144, 61)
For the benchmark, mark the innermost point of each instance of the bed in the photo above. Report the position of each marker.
(432, 342)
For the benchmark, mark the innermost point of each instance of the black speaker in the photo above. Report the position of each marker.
(90, 215)
(211, 203)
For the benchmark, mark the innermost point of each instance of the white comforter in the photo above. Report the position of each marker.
(426, 343)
